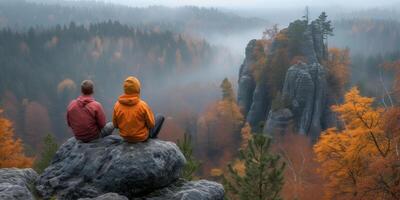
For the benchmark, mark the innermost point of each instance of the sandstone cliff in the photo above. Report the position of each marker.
(302, 88)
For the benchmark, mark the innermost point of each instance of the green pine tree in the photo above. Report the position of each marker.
(192, 165)
(49, 150)
(324, 25)
(263, 174)
(227, 91)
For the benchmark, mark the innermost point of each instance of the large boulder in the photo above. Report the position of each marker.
(193, 190)
(110, 165)
(108, 196)
(180, 190)
(15, 183)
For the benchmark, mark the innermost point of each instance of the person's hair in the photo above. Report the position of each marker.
(87, 87)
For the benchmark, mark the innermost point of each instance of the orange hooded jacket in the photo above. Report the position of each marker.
(132, 116)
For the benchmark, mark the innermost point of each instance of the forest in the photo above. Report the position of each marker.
(307, 110)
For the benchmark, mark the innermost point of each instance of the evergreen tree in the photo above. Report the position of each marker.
(262, 178)
(49, 150)
(227, 91)
(324, 25)
(192, 165)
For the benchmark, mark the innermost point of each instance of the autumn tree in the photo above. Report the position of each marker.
(337, 64)
(271, 32)
(302, 182)
(260, 59)
(192, 165)
(50, 148)
(359, 162)
(262, 178)
(219, 126)
(11, 150)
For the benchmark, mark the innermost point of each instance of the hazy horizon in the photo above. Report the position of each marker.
(252, 4)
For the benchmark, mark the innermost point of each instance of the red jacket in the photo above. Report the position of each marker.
(86, 118)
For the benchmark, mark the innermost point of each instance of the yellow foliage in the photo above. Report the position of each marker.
(11, 150)
(338, 69)
(346, 155)
(216, 172)
(246, 135)
(239, 167)
(66, 85)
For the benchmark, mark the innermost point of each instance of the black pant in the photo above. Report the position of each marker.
(157, 127)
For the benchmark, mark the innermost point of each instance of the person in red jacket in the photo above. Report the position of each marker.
(86, 117)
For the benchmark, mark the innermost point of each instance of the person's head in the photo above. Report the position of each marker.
(131, 85)
(87, 87)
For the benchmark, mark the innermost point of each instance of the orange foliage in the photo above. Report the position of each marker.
(11, 150)
(260, 58)
(302, 182)
(218, 137)
(361, 161)
(338, 69)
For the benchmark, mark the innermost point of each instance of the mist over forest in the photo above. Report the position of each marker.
(222, 75)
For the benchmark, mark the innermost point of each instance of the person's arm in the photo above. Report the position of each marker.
(100, 116)
(149, 116)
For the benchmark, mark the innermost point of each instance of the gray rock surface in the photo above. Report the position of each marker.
(110, 165)
(193, 190)
(278, 121)
(259, 108)
(305, 88)
(108, 196)
(15, 183)
(246, 81)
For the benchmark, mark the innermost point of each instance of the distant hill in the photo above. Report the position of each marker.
(367, 36)
(22, 14)
(50, 64)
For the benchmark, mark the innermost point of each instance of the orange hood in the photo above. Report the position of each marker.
(132, 86)
(129, 100)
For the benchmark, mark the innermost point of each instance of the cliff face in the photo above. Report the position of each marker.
(304, 99)
(247, 82)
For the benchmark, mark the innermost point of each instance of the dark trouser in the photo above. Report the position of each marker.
(107, 130)
(157, 127)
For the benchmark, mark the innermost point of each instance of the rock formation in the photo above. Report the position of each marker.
(15, 184)
(110, 168)
(304, 89)
(247, 83)
(180, 190)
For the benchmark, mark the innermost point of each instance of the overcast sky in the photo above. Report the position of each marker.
(260, 3)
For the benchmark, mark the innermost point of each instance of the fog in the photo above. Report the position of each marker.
(226, 30)
(257, 3)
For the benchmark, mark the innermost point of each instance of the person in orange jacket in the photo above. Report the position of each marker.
(133, 117)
